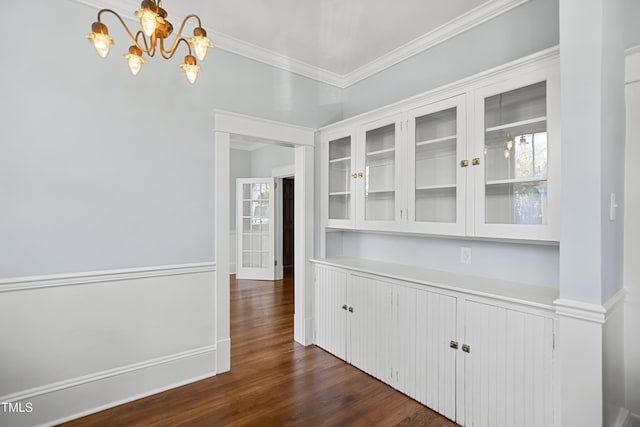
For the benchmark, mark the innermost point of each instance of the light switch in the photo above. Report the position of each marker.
(465, 255)
(612, 207)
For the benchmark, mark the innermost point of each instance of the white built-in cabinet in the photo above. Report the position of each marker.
(478, 358)
(479, 161)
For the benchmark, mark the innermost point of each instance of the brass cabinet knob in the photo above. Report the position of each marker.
(466, 348)
(354, 175)
(454, 344)
(360, 174)
(464, 163)
(476, 161)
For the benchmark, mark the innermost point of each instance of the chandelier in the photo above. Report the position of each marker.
(151, 39)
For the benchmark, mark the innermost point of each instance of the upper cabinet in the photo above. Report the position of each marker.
(516, 137)
(379, 159)
(479, 161)
(436, 181)
(341, 178)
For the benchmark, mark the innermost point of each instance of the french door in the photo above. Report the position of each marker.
(255, 228)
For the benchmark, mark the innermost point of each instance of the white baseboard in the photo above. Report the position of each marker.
(82, 396)
(223, 356)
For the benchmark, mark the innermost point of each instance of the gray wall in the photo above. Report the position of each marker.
(631, 23)
(523, 263)
(524, 30)
(264, 160)
(102, 170)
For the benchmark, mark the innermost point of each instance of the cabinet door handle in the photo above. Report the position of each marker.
(464, 163)
(400, 213)
(354, 175)
(454, 345)
(360, 174)
(476, 161)
(466, 348)
(350, 309)
(344, 306)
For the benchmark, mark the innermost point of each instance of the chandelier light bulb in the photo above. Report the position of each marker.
(523, 142)
(100, 38)
(190, 68)
(148, 22)
(135, 60)
(507, 153)
(200, 43)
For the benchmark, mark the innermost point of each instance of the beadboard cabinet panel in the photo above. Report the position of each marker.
(478, 359)
(330, 318)
(435, 358)
(508, 370)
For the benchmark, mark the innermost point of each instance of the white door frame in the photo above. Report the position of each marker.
(288, 171)
(226, 123)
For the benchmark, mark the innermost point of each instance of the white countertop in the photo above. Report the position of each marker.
(538, 296)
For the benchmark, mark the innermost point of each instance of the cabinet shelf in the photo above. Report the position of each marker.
(515, 181)
(436, 140)
(340, 193)
(435, 187)
(380, 191)
(341, 159)
(516, 124)
(379, 152)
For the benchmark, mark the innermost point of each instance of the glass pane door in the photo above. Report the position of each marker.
(380, 173)
(436, 167)
(255, 230)
(340, 179)
(515, 152)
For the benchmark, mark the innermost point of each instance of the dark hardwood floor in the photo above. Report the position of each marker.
(273, 381)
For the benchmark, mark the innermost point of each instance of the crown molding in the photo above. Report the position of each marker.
(465, 22)
(486, 11)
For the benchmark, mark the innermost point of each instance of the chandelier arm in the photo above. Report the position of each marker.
(179, 33)
(133, 38)
(168, 54)
(146, 49)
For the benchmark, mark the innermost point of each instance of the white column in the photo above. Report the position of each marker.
(632, 235)
(221, 197)
(303, 251)
(591, 244)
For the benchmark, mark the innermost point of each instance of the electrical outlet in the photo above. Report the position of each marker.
(465, 255)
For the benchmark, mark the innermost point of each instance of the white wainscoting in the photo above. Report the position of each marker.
(78, 343)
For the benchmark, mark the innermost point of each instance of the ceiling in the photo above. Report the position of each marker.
(336, 41)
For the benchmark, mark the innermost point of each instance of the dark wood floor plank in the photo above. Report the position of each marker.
(273, 381)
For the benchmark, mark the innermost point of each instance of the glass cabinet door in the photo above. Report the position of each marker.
(379, 170)
(437, 181)
(340, 179)
(517, 157)
(515, 152)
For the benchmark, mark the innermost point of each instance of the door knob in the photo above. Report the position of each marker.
(350, 309)
(344, 306)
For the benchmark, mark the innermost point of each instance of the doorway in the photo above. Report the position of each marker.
(303, 141)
